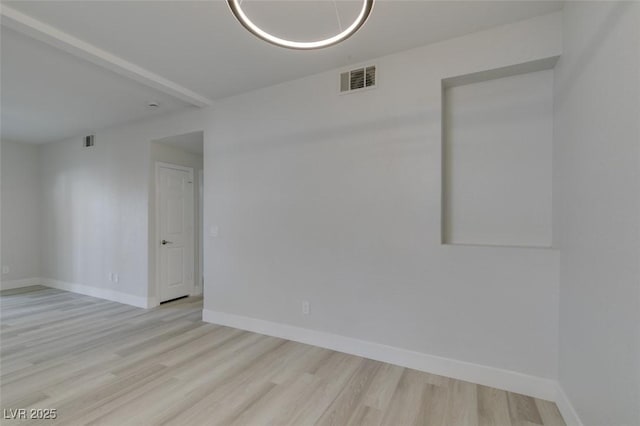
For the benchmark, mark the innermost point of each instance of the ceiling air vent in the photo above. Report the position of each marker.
(360, 78)
(88, 141)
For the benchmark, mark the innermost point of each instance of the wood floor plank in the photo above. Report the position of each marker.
(102, 363)
(523, 409)
(434, 405)
(344, 406)
(383, 386)
(365, 415)
(493, 407)
(462, 404)
(405, 408)
(549, 413)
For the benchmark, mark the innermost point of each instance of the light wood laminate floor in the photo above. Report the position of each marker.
(100, 362)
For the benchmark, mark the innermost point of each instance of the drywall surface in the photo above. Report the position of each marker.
(336, 200)
(20, 210)
(170, 154)
(95, 222)
(498, 147)
(597, 208)
(96, 204)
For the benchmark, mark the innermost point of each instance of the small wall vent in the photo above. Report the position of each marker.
(357, 79)
(89, 141)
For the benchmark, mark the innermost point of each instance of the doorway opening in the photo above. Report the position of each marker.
(175, 219)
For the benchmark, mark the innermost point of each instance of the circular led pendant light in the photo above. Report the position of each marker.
(367, 6)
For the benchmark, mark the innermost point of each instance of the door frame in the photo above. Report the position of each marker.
(199, 286)
(191, 236)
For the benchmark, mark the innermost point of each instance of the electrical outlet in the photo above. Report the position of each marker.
(115, 277)
(5, 269)
(305, 307)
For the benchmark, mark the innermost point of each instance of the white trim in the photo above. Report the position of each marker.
(512, 381)
(25, 282)
(39, 30)
(199, 285)
(174, 166)
(100, 293)
(567, 410)
(152, 302)
(157, 236)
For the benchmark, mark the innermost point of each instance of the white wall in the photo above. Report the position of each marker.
(96, 208)
(498, 147)
(337, 199)
(20, 211)
(327, 198)
(597, 200)
(95, 220)
(170, 154)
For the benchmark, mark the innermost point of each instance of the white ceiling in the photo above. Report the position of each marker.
(49, 95)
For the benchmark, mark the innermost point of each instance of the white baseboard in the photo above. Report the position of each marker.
(489, 376)
(566, 408)
(100, 293)
(25, 282)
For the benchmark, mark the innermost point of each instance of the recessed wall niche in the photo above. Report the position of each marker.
(497, 129)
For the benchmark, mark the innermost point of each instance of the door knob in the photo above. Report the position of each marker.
(165, 242)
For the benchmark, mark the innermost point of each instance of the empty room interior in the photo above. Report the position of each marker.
(320, 212)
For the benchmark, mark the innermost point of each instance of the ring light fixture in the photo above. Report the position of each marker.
(363, 15)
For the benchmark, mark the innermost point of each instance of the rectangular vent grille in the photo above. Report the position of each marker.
(89, 141)
(360, 78)
(357, 79)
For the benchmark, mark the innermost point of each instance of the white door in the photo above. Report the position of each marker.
(176, 223)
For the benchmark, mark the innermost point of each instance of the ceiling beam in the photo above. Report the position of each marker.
(34, 28)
